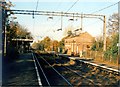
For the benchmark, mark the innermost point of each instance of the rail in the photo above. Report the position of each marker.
(94, 64)
(35, 59)
(79, 75)
(57, 72)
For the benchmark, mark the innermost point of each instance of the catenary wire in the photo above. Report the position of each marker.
(67, 10)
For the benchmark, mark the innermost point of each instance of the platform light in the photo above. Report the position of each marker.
(50, 18)
(71, 19)
(59, 29)
(77, 29)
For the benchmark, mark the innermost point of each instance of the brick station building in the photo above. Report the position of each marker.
(78, 44)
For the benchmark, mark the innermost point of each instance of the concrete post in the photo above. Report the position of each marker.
(104, 34)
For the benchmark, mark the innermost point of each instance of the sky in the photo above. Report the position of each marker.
(41, 26)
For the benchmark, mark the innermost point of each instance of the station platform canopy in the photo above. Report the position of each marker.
(26, 40)
(22, 45)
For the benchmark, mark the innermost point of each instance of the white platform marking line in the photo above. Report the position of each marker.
(98, 65)
(38, 76)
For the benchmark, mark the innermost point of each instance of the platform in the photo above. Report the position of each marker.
(89, 61)
(20, 72)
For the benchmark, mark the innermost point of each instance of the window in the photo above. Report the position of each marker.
(88, 46)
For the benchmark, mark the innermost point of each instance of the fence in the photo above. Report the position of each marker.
(98, 55)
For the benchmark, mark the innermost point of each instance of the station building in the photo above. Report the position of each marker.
(78, 44)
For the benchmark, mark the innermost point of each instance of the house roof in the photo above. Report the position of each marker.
(80, 35)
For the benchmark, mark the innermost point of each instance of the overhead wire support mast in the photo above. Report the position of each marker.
(66, 14)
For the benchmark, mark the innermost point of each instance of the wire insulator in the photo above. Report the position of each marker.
(33, 15)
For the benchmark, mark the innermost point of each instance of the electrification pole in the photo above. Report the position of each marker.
(104, 34)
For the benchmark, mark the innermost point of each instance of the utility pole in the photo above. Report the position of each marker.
(1, 42)
(104, 34)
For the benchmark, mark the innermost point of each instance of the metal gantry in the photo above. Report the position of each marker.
(55, 13)
(66, 14)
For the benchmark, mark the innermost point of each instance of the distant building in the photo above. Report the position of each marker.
(78, 44)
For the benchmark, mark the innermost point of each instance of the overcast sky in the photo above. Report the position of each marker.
(40, 26)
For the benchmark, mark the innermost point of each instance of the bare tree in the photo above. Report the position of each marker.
(68, 31)
(113, 24)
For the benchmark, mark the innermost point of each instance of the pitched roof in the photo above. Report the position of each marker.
(80, 35)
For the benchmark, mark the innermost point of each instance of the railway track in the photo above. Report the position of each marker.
(82, 77)
(80, 80)
(72, 75)
(98, 75)
(38, 69)
(50, 76)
